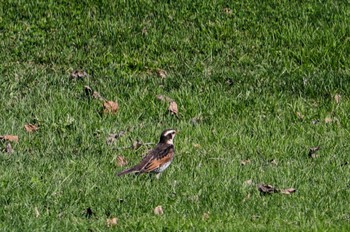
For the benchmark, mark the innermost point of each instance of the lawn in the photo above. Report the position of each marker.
(256, 84)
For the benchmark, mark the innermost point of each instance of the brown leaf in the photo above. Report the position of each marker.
(300, 115)
(173, 108)
(337, 98)
(328, 120)
(36, 211)
(248, 182)
(273, 162)
(112, 221)
(164, 98)
(92, 93)
(245, 162)
(312, 152)
(136, 145)
(267, 189)
(161, 73)
(196, 145)
(205, 216)
(31, 128)
(8, 148)
(11, 138)
(78, 74)
(158, 210)
(144, 31)
(121, 161)
(110, 107)
(227, 11)
(288, 191)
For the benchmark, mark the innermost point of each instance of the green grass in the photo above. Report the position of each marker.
(239, 79)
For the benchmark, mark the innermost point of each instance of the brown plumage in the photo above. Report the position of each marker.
(159, 158)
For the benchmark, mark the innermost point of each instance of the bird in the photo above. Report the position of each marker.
(158, 159)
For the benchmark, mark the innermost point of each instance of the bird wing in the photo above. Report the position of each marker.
(157, 157)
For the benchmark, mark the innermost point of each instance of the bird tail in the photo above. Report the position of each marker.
(127, 171)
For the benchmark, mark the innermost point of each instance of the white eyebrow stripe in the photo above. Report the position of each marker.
(168, 132)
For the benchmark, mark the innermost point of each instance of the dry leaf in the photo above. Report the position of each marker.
(110, 107)
(267, 189)
(312, 152)
(11, 138)
(162, 73)
(164, 98)
(91, 93)
(112, 221)
(205, 216)
(273, 162)
(173, 108)
(37, 213)
(158, 210)
(8, 148)
(31, 128)
(121, 161)
(328, 120)
(337, 98)
(196, 145)
(113, 137)
(300, 115)
(78, 74)
(288, 191)
(144, 31)
(136, 145)
(227, 11)
(244, 162)
(248, 182)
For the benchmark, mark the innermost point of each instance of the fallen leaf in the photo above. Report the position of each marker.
(245, 162)
(31, 128)
(113, 137)
(337, 98)
(11, 138)
(121, 161)
(173, 108)
(164, 98)
(300, 115)
(89, 92)
(248, 182)
(144, 31)
(78, 74)
(205, 216)
(312, 152)
(110, 107)
(8, 148)
(136, 145)
(227, 11)
(288, 191)
(273, 162)
(328, 120)
(161, 73)
(112, 221)
(267, 189)
(158, 210)
(36, 211)
(196, 145)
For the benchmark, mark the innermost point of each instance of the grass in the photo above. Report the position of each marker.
(240, 72)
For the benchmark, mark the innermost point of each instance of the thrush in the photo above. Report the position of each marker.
(159, 158)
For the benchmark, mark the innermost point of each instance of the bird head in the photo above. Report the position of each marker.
(167, 136)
